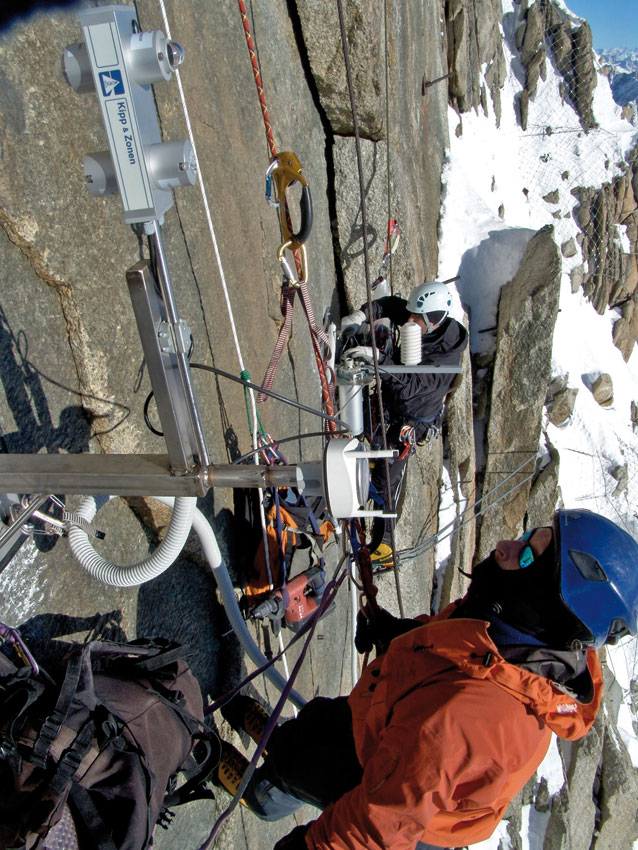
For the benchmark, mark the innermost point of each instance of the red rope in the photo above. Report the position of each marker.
(260, 89)
(287, 292)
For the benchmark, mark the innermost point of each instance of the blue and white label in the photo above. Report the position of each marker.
(111, 82)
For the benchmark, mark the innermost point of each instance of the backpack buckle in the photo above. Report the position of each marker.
(48, 733)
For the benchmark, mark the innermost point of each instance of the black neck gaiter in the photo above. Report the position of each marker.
(527, 599)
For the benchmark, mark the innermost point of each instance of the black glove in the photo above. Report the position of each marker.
(295, 840)
(380, 630)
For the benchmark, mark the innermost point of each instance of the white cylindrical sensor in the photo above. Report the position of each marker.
(411, 344)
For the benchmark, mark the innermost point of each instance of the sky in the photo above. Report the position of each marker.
(496, 182)
(614, 23)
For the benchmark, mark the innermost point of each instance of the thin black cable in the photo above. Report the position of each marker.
(216, 371)
(147, 420)
(343, 426)
(364, 225)
(275, 443)
(430, 542)
(82, 394)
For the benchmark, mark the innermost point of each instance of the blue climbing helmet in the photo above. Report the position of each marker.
(598, 575)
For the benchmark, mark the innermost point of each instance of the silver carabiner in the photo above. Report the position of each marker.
(269, 184)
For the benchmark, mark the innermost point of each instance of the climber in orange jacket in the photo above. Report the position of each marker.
(455, 714)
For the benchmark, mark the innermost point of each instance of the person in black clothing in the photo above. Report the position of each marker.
(413, 402)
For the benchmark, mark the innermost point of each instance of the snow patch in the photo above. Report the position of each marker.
(502, 184)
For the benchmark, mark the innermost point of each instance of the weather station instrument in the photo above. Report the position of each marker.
(119, 62)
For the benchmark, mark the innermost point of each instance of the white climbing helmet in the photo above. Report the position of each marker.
(432, 301)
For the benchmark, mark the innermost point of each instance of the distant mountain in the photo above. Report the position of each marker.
(622, 58)
(624, 87)
(624, 73)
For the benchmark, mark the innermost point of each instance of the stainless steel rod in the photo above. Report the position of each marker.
(182, 356)
(132, 475)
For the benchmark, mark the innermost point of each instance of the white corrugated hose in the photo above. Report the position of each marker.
(185, 516)
(151, 566)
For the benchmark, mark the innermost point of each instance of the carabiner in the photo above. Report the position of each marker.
(290, 275)
(269, 182)
(11, 635)
(285, 170)
(269, 449)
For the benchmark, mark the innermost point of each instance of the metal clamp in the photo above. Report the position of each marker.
(182, 336)
(71, 518)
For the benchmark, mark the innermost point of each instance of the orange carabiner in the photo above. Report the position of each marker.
(285, 170)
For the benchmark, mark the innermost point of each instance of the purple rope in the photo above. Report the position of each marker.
(331, 590)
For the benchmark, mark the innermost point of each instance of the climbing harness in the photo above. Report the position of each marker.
(294, 547)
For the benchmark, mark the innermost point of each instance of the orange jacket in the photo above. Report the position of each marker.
(447, 733)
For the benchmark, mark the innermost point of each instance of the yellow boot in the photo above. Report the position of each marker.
(231, 768)
(382, 557)
(246, 714)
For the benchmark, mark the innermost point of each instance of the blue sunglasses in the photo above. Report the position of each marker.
(526, 556)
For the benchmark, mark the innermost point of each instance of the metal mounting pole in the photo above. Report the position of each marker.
(132, 475)
(152, 228)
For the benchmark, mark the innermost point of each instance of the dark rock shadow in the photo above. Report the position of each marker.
(182, 605)
(42, 634)
(353, 247)
(28, 404)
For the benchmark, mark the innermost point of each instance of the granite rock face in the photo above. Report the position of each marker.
(610, 276)
(545, 32)
(72, 367)
(519, 384)
(474, 43)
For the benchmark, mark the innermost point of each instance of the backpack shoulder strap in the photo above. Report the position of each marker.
(197, 772)
(52, 725)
